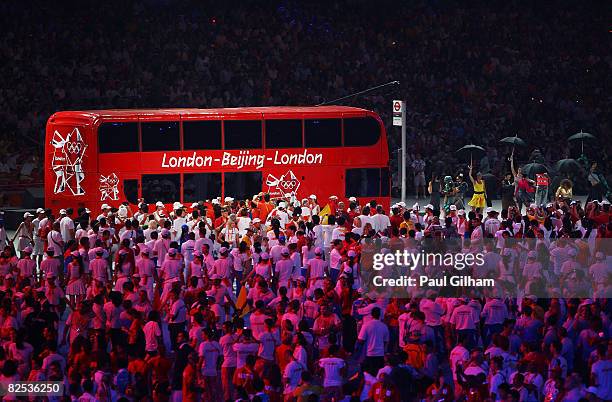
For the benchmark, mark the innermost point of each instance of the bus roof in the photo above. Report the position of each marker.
(194, 113)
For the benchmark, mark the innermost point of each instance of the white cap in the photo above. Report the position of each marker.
(599, 255)
(264, 256)
(318, 251)
(194, 205)
(165, 232)
(228, 199)
(123, 211)
(533, 205)
(144, 250)
(177, 205)
(312, 197)
(28, 215)
(549, 205)
(352, 253)
(352, 199)
(197, 253)
(62, 212)
(215, 201)
(285, 251)
(282, 204)
(40, 211)
(461, 212)
(348, 269)
(124, 252)
(605, 202)
(172, 251)
(87, 211)
(489, 210)
(402, 204)
(416, 205)
(159, 204)
(453, 207)
(429, 206)
(532, 254)
(333, 197)
(256, 220)
(223, 250)
(28, 250)
(105, 206)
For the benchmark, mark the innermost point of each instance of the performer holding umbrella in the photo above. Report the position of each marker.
(478, 201)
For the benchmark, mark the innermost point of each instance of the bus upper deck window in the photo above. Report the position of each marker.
(242, 134)
(117, 137)
(361, 131)
(204, 134)
(283, 133)
(323, 133)
(160, 136)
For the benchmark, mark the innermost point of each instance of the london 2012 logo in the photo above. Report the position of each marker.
(109, 187)
(285, 186)
(67, 163)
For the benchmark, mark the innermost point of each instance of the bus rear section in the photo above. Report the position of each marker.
(70, 162)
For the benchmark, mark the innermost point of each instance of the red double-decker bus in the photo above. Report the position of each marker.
(110, 156)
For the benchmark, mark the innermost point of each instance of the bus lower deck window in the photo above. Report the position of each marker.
(201, 186)
(363, 182)
(242, 185)
(161, 187)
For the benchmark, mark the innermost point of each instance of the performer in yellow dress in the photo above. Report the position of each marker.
(478, 200)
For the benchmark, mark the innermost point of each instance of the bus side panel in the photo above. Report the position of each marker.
(302, 181)
(70, 166)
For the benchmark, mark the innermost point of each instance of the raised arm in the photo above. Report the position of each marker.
(470, 172)
(514, 172)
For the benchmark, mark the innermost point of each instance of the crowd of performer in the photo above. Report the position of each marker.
(267, 300)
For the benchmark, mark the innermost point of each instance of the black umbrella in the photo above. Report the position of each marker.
(531, 169)
(568, 166)
(581, 136)
(514, 141)
(471, 150)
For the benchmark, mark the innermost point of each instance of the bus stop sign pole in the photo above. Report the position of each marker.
(399, 119)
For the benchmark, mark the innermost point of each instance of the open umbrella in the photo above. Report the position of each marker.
(471, 150)
(568, 166)
(581, 136)
(514, 141)
(531, 169)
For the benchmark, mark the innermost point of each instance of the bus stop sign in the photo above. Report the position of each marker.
(398, 110)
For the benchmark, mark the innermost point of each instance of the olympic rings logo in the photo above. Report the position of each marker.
(287, 185)
(73, 147)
